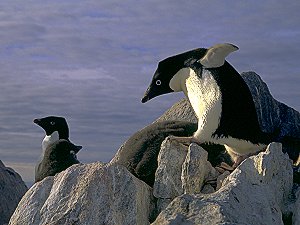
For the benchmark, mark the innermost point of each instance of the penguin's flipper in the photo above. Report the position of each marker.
(215, 55)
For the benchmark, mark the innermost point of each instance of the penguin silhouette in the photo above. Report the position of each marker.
(58, 152)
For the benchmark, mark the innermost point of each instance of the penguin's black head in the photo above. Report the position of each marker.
(53, 123)
(166, 69)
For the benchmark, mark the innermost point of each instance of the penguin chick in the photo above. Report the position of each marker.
(219, 96)
(57, 157)
(57, 137)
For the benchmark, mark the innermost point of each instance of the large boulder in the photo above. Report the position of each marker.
(88, 194)
(12, 188)
(255, 193)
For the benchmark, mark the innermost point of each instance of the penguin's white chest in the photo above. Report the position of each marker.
(206, 100)
(48, 140)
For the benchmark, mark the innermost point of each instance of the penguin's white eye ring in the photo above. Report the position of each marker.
(52, 123)
(158, 82)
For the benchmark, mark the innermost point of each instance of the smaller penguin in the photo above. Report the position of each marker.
(58, 153)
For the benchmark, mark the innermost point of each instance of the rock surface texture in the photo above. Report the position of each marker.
(86, 194)
(12, 188)
(255, 193)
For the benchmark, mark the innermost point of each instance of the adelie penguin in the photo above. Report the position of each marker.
(219, 96)
(58, 152)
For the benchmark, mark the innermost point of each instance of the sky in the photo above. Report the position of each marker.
(91, 61)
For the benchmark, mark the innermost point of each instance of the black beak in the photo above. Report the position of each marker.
(145, 99)
(37, 121)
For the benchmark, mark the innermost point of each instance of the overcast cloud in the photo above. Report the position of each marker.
(91, 61)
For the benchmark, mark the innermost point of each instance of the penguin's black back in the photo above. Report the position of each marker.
(238, 118)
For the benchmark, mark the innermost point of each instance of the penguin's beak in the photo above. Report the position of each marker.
(146, 97)
(37, 121)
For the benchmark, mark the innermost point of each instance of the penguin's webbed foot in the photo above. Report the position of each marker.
(184, 140)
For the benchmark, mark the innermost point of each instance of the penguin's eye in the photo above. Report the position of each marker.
(158, 82)
(52, 123)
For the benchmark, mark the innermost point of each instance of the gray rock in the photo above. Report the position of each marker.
(181, 111)
(196, 170)
(275, 117)
(12, 188)
(254, 193)
(181, 169)
(86, 194)
(295, 209)
(168, 183)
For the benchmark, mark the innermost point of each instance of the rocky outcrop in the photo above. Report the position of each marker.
(255, 193)
(12, 188)
(86, 194)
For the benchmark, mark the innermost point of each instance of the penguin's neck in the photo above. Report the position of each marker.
(49, 139)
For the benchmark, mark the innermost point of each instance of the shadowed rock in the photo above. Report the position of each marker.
(12, 188)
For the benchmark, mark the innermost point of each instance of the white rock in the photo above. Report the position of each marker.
(195, 169)
(168, 174)
(86, 194)
(254, 193)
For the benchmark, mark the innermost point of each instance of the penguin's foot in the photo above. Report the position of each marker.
(224, 166)
(185, 140)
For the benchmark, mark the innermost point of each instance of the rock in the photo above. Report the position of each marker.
(168, 183)
(274, 116)
(196, 170)
(296, 206)
(12, 188)
(181, 169)
(181, 111)
(254, 193)
(139, 153)
(86, 194)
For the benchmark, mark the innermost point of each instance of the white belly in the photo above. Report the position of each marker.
(205, 97)
(48, 140)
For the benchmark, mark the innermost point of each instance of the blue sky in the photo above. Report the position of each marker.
(91, 61)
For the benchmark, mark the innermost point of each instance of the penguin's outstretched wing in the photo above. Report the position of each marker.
(215, 55)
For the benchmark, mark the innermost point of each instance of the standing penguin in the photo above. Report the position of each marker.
(58, 152)
(219, 96)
